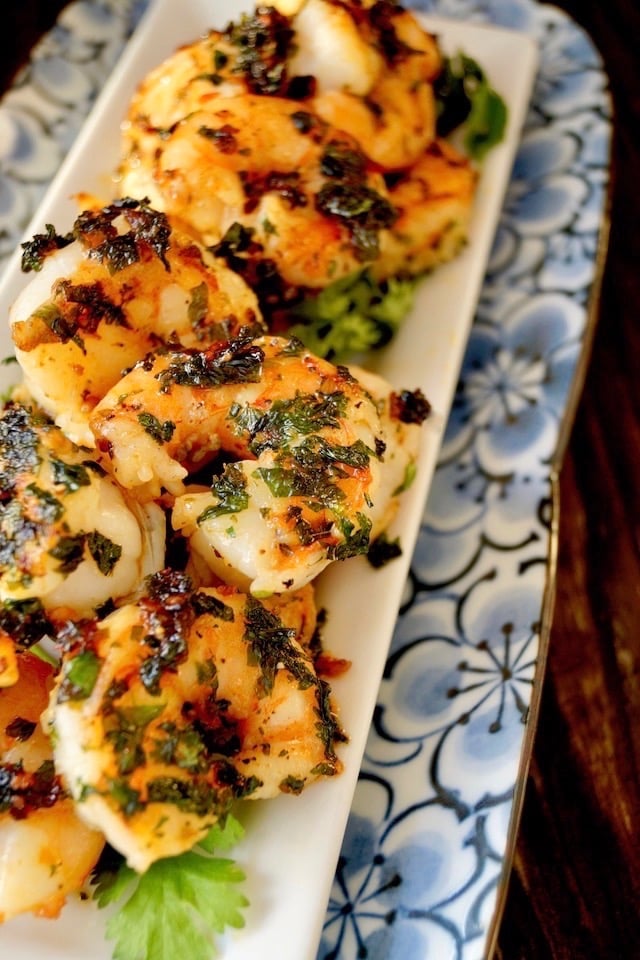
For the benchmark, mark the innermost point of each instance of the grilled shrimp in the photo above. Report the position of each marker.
(128, 283)
(380, 90)
(314, 206)
(69, 537)
(46, 851)
(170, 709)
(307, 436)
(292, 527)
(434, 201)
(366, 69)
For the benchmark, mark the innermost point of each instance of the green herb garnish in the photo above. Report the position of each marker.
(465, 98)
(180, 905)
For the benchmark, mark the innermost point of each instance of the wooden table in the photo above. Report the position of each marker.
(575, 886)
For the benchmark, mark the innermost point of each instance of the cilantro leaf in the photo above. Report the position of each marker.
(179, 905)
(112, 881)
(222, 838)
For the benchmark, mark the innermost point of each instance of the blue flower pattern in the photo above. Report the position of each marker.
(41, 115)
(424, 852)
(424, 856)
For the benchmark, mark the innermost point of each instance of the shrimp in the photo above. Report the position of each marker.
(366, 69)
(284, 538)
(401, 415)
(342, 169)
(186, 82)
(170, 709)
(380, 91)
(69, 536)
(128, 283)
(314, 207)
(46, 850)
(434, 200)
(308, 436)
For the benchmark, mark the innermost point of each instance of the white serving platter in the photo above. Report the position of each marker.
(292, 844)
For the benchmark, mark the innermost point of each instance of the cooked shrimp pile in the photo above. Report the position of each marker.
(124, 282)
(301, 142)
(174, 474)
(172, 480)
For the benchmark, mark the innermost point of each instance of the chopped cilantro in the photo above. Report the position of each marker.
(79, 676)
(127, 732)
(36, 250)
(104, 551)
(231, 361)
(230, 490)
(159, 430)
(356, 538)
(198, 305)
(270, 645)
(286, 419)
(62, 328)
(71, 476)
(292, 784)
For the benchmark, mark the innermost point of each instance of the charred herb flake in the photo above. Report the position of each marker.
(25, 621)
(232, 361)
(204, 603)
(22, 792)
(104, 551)
(224, 137)
(409, 406)
(36, 250)
(149, 229)
(20, 729)
(382, 551)
(270, 644)
(168, 616)
(159, 430)
(263, 40)
(69, 551)
(230, 490)
(362, 210)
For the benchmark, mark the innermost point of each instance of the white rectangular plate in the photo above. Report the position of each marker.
(292, 844)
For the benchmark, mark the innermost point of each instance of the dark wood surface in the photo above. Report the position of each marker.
(574, 890)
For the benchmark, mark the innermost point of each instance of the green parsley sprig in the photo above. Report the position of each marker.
(180, 905)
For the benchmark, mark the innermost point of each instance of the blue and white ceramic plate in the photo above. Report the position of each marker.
(429, 838)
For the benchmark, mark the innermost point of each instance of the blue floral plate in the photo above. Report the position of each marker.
(429, 840)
